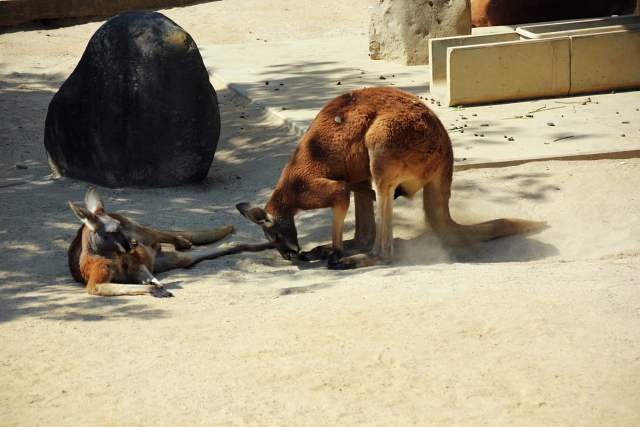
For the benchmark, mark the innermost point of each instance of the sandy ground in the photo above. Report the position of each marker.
(534, 330)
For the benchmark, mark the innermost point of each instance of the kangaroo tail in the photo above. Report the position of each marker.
(202, 237)
(469, 234)
(168, 260)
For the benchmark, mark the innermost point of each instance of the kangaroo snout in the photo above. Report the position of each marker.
(126, 242)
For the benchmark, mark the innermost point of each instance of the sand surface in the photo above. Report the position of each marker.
(534, 330)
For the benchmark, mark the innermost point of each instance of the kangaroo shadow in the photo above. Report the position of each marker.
(426, 249)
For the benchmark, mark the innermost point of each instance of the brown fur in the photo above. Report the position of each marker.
(486, 13)
(382, 135)
(118, 272)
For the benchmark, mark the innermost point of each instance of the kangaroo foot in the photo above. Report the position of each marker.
(156, 289)
(319, 253)
(334, 262)
(356, 261)
(182, 244)
(316, 254)
(160, 292)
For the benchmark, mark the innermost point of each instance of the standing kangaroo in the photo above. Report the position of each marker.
(113, 255)
(382, 135)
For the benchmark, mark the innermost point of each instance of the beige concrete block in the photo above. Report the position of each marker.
(507, 71)
(577, 27)
(605, 61)
(438, 54)
(495, 67)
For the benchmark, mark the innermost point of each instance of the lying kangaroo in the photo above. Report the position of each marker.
(380, 134)
(111, 252)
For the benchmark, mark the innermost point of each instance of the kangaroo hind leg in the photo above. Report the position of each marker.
(435, 199)
(382, 251)
(170, 260)
(436, 195)
(365, 232)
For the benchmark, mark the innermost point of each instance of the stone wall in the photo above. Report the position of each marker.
(400, 29)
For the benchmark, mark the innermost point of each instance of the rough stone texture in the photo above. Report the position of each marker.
(138, 110)
(400, 29)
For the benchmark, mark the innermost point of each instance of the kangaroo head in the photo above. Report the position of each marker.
(107, 234)
(281, 232)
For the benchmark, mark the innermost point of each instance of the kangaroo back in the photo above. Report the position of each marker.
(382, 136)
(73, 256)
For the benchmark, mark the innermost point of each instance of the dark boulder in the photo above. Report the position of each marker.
(138, 110)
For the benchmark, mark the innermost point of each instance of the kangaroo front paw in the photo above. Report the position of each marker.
(337, 262)
(316, 254)
(160, 292)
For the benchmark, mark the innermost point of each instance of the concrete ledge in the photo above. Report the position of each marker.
(481, 69)
(609, 61)
(578, 27)
(13, 12)
(505, 71)
(438, 49)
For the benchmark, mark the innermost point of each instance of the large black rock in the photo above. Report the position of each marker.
(138, 110)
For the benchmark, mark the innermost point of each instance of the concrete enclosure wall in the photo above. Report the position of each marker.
(551, 59)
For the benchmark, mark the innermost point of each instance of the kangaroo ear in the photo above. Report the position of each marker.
(86, 216)
(93, 200)
(255, 214)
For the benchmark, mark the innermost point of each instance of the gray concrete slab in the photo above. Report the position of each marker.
(294, 80)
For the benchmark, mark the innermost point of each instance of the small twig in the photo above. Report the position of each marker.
(564, 137)
(539, 109)
(578, 102)
(544, 109)
(530, 113)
